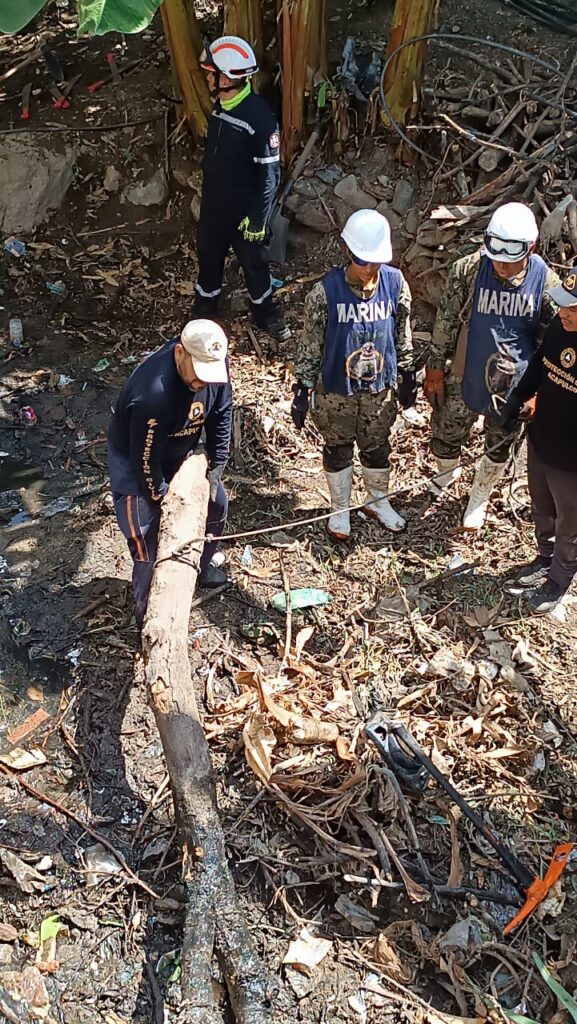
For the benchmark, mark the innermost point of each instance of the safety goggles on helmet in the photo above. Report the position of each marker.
(507, 248)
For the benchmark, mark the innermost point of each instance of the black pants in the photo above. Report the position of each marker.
(217, 233)
(554, 507)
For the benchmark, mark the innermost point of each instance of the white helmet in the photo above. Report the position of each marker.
(511, 233)
(230, 55)
(367, 235)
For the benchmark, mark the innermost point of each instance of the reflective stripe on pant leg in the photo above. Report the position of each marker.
(255, 267)
(139, 520)
(215, 524)
(451, 425)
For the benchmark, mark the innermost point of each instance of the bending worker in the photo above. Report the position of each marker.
(241, 175)
(490, 320)
(356, 344)
(167, 402)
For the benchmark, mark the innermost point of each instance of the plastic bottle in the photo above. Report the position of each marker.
(16, 332)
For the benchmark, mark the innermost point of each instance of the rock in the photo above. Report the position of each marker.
(431, 234)
(341, 211)
(412, 221)
(315, 218)
(112, 179)
(5, 953)
(310, 189)
(35, 179)
(384, 180)
(403, 197)
(330, 175)
(148, 193)
(351, 193)
(393, 218)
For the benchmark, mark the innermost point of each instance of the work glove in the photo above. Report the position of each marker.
(434, 387)
(252, 232)
(407, 390)
(300, 405)
(214, 478)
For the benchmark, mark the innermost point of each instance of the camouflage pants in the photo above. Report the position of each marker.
(451, 426)
(363, 417)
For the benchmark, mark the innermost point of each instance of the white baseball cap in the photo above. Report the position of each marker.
(207, 346)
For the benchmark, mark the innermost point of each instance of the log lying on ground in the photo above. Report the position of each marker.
(214, 919)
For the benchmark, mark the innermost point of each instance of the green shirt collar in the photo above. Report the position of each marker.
(234, 102)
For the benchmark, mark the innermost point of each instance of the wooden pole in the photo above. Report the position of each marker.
(405, 72)
(214, 919)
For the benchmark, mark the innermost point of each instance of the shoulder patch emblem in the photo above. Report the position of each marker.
(568, 358)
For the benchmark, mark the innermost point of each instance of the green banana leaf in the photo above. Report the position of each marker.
(95, 17)
(15, 14)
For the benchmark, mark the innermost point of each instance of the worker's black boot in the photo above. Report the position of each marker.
(212, 577)
(546, 598)
(535, 572)
(275, 326)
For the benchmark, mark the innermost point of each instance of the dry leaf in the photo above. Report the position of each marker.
(26, 877)
(415, 696)
(415, 891)
(384, 953)
(20, 760)
(359, 918)
(187, 288)
(302, 638)
(35, 693)
(299, 729)
(259, 743)
(496, 755)
(307, 951)
(456, 873)
(343, 749)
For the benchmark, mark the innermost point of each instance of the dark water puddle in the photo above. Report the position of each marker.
(21, 487)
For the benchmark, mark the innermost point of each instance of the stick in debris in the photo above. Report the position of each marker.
(214, 919)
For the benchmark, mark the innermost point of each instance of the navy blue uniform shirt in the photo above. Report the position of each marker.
(242, 160)
(158, 420)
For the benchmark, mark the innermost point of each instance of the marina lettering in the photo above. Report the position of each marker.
(505, 303)
(363, 312)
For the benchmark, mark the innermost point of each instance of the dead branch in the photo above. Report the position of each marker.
(214, 918)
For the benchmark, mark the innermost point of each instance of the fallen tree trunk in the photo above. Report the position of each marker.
(214, 918)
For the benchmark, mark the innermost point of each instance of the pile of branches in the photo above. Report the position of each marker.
(510, 133)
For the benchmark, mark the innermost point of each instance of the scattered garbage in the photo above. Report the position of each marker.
(57, 288)
(73, 656)
(16, 332)
(359, 73)
(54, 507)
(302, 597)
(101, 365)
(21, 760)
(28, 416)
(246, 557)
(307, 951)
(15, 247)
(100, 864)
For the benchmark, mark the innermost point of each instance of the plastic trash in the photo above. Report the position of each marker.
(246, 557)
(28, 416)
(101, 365)
(57, 288)
(302, 597)
(359, 73)
(15, 247)
(100, 863)
(16, 332)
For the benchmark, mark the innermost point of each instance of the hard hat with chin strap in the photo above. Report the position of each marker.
(367, 235)
(511, 233)
(230, 55)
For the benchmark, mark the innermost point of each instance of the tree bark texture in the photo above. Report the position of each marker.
(405, 72)
(214, 918)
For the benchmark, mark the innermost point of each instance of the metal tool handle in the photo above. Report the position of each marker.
(523, 876)
(300, 165)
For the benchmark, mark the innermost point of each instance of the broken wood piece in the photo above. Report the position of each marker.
(28, 726)
(214, 918)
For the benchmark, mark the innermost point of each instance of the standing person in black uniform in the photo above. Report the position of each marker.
(163, 408)
(241, 177)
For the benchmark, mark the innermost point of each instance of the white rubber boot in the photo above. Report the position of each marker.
(448, 472)
(377, 487)
(487, 476)
(340, 484)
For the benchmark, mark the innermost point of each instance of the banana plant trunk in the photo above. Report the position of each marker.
(185, 45)
(303, 61)
(405, 72)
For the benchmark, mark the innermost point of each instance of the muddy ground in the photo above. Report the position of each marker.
(501, 716)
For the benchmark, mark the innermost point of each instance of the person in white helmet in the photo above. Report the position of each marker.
(490, 321)
(354, 364)
(241, 175)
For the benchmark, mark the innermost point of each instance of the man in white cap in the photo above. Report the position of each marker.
(490, 320)
(551, 381)
(354, 364)
(241, 175)
(169, 400)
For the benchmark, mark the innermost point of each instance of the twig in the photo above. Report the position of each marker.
(372, 831)
(289, 612)
(255, 344)
(45, 799)
(86, 128)
(155, 994)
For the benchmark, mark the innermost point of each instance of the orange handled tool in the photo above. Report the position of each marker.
(381, 729)
(26, 94)
(62, 101)
(118, 72)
